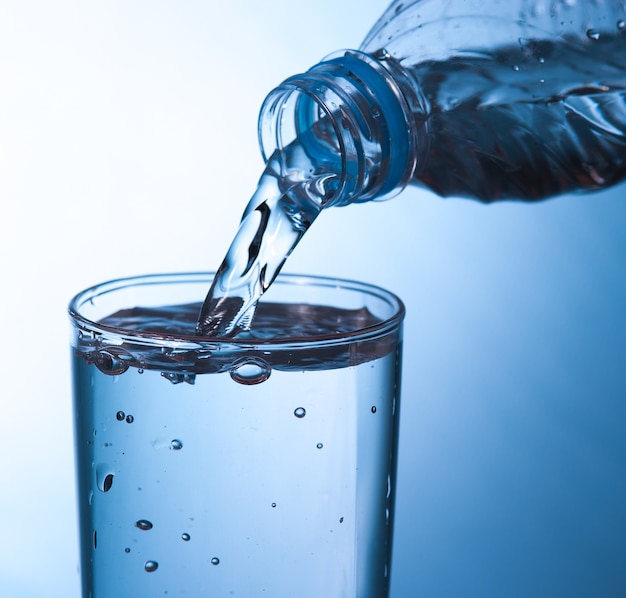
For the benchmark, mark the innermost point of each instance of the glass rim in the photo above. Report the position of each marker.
(182, 341)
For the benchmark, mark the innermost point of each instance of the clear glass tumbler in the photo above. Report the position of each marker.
(261, 465)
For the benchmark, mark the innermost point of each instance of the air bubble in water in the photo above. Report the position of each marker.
(144, 524)
(593, 34)
(373, 408)
(320, 445)
(300, 412)
(119, 416)
(621, 25)
(176, 378)
(126, 550)
(215, 561)
(250, 370)
(186, 537)
(104, 477)
(151, 566)
(130, 419)
(111, 361)
(176, 444)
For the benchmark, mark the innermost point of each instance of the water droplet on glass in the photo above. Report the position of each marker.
(186, 537)
(151, 566)
(144, 524)
(215, 561)
(104, 477)
(119, 416)
(593, 34)
(320, 445)
(130, 419)
(300, 412)
(250, 370)
(176, 445)
(382, 54)
(373, 408)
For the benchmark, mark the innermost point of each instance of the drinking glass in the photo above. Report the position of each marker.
(259, 465)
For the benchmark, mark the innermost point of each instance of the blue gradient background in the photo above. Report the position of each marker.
(128, 146)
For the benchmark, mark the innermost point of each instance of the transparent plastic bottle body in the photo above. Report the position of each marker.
(499, 100)
(524, 99)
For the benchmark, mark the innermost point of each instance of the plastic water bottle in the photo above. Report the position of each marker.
(486, 99)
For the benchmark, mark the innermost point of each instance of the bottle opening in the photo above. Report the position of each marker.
(348, 116)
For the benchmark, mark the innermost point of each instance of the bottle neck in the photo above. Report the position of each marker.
(353, 116)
